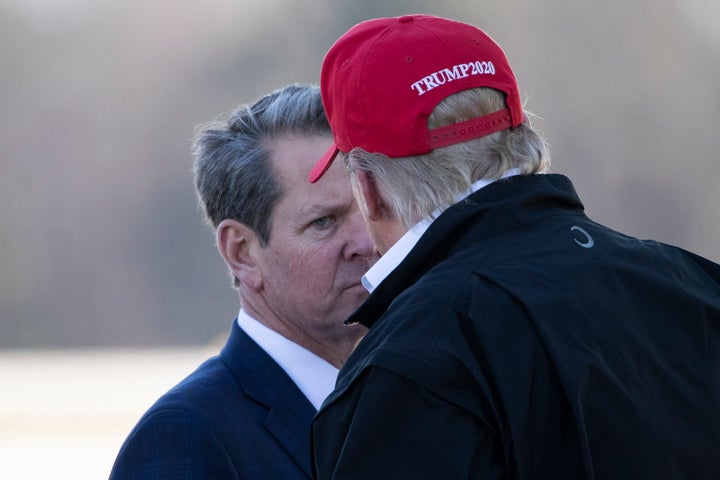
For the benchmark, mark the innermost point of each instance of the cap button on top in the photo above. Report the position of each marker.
(406, 19)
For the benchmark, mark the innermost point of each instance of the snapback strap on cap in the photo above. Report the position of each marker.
(470, 129)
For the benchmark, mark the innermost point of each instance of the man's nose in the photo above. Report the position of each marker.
(359, 242)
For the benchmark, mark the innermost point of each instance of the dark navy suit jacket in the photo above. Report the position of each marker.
(238, 416)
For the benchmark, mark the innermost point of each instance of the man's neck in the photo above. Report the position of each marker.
(335, 352)
(386, 233)
(395, 243)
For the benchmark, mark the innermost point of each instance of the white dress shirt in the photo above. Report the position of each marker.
(314, 376)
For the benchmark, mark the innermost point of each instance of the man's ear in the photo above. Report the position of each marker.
(373, 201)
(237, 244)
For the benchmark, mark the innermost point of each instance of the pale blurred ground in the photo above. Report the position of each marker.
(64, 414)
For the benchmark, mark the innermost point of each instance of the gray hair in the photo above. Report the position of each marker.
(232, 169)
(234, 178)
(420, 185)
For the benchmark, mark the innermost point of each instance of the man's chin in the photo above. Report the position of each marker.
(360, 294)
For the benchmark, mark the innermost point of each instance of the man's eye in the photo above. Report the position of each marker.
(322, 222)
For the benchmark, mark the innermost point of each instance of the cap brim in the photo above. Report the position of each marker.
(323, 164)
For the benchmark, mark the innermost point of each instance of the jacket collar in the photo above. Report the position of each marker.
(289, 413)
(502, 205)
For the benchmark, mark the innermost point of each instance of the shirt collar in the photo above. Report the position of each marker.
(314, 376)
(392, 258)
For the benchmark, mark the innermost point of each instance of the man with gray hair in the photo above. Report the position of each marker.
(510, 336)
(296, 253)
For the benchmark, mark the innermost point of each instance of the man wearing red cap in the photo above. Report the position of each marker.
(510, 336)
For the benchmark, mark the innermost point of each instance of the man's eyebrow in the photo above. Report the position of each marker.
(310, 212)
(325, 207)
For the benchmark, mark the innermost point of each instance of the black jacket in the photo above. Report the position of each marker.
(519, 339)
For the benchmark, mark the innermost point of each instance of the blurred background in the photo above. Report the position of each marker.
(111, 288)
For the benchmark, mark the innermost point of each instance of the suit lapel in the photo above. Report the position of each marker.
(289, 413)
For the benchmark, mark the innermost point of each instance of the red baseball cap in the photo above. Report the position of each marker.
(381, 80)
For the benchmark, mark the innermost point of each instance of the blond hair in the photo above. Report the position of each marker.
(419, 185)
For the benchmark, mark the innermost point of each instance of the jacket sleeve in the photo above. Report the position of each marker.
(172, 444)
(384, 426)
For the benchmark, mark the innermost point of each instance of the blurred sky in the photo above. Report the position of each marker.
(101, 243)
